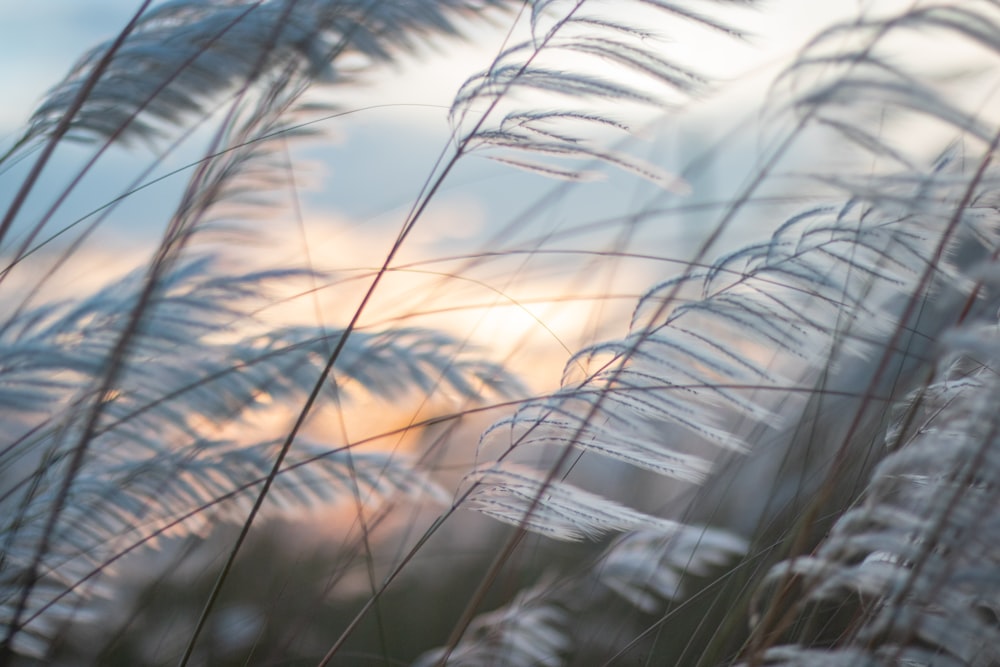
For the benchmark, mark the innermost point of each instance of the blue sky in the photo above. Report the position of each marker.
(361, 180)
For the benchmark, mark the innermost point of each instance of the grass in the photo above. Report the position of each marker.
(781, 453)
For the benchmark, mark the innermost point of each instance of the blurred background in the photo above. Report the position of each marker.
(524, 268)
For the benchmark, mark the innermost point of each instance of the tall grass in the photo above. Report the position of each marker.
(785, 455)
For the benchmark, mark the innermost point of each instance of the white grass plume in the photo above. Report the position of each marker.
(913, 566)
(774, 368)
(181, 57)
(151, 464)
(559, 140)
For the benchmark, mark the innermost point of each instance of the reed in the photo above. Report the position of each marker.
(785, 456)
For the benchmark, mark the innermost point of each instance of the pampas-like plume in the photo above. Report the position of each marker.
(764, 387)
(182, 56)
(489, 121)
(824, 297)
(153, 465)
(529, 630)
(114, 405)
(783, 361)
(910, 575)
(818, 300)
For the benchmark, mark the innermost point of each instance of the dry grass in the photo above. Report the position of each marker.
(784, 456)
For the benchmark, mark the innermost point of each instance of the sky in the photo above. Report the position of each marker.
(355, 188)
